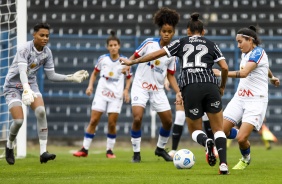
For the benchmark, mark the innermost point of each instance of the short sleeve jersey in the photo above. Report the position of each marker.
(151, 75)
(196, 55)
(28, 55)
(111, 79)
(255, 86)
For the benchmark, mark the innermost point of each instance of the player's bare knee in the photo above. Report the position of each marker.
(40, 112)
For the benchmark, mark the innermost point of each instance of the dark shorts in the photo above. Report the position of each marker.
(199, 98)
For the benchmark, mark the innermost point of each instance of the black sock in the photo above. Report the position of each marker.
(176, 135)
(220, 144)
(201, 139)
(208, 129)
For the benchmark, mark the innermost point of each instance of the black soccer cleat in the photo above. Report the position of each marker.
(10, 158)
(162, 153)
(136, 157)
(47, 156)
(210, 156)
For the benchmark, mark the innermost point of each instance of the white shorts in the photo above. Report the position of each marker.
(158, 99)
(100, 104)
(252, 112)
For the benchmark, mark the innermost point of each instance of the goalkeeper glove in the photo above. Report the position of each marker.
(28, 95)
(78, 76)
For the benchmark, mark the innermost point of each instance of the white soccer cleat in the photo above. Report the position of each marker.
(171, 153)
(223, 169)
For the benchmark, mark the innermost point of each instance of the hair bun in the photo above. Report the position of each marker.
(195, 16)
(253, 28)
(113, 33)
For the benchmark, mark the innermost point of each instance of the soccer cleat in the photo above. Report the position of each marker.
(223, 169)
(10, 157)
(46, 156)
(210, 156)
(162, 153)
(171, 153)
(110, 154)
(242, 164)
(81, 153)
(136, 157)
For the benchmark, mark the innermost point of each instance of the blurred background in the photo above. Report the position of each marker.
(79, 29)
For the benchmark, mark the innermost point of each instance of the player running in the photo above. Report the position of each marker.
(199, 86)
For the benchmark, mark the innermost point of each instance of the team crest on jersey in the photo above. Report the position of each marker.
(33, 65)
(157, 62)
(111, 74)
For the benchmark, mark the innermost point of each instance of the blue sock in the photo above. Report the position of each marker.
(233, 133)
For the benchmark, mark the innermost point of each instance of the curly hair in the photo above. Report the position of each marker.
(166, 16)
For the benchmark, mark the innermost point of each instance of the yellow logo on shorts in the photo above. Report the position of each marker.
(111, 74)
(157, 62)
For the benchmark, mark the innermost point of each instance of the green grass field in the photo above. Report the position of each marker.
(266, 167)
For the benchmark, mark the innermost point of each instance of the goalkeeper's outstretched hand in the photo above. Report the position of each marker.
(28, 96)
(78, 76)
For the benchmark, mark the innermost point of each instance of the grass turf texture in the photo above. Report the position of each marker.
(96, 168)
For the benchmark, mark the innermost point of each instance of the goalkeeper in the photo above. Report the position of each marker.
(21, 87)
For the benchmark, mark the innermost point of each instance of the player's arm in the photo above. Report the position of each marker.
(77, 77)
(126, 89)
(224, 73)
(28, 95)
(89, 89)
(143, 59)
(172, 80)
(273, 80)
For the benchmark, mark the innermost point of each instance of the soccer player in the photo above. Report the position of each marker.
(178, 126)
(148, 84)
(109, 95)
(199, 86)
(21, 87)
(249, 103)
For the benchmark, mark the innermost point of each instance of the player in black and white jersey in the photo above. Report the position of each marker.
(199, 86)
(21, 87)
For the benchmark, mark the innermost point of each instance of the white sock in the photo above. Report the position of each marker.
(110, 143)
(136, 144)
(43, 146)
(10, 144)
(162, 141)
(87, 142)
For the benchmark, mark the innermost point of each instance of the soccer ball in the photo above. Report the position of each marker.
(184, 159)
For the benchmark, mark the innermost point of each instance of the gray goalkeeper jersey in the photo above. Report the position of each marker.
(28, 55)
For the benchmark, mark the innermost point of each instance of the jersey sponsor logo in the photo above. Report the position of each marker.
(109, 94)
(146, 85)
(158, 70)
(215, 104)
(243, 92)
(194, 111)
